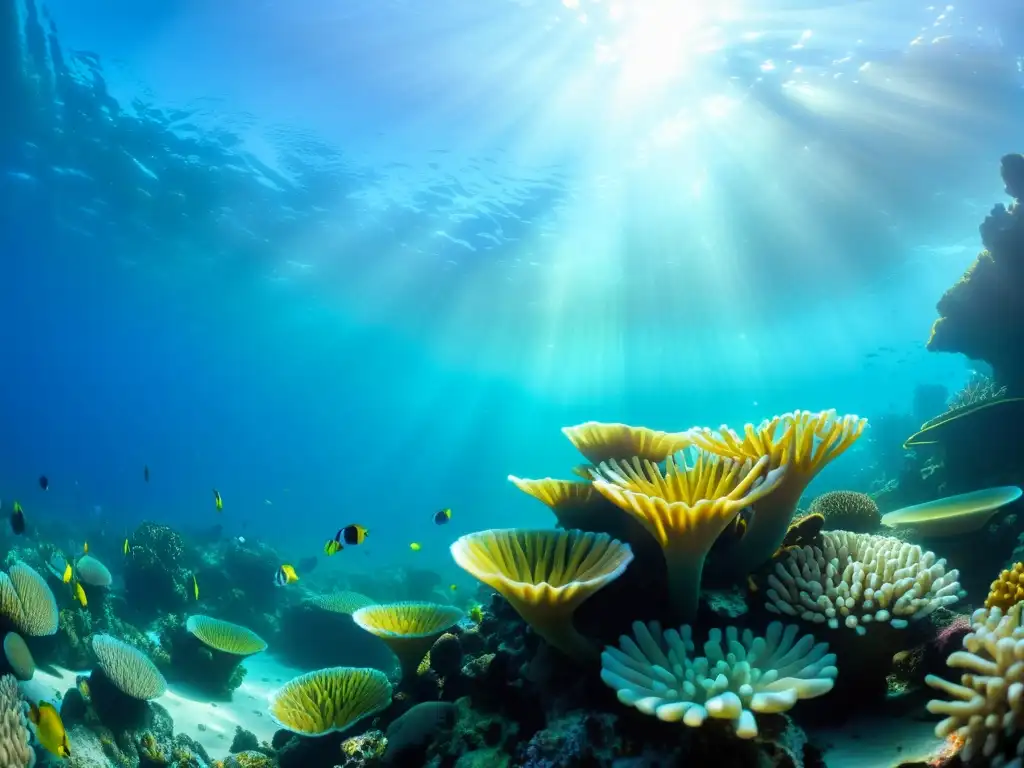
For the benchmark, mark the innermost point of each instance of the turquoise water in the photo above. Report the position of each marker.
(363, 260)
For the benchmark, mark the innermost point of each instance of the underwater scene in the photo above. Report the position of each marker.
(527, 383)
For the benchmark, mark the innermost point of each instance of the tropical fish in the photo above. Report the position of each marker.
(127, 547)
(49, 728)
(17, 519)
(332, 547)
(145, 473)
(415, 546)
(442, 516)
(476, 613)
(80, 594)
(195, 586)
(66, 576)
(83, 688)
(218, 502)
(352, 534)
(453, 587)
(285, 575)
(44, 482)
(85, 548)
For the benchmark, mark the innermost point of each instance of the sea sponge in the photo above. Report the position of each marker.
(987, 710)
(92, 572)
(15, 751)
(224, 636)
(18, 656)
(408, 628)
(331, 699)
(658, 674)
(686, 508)
(545, 575)
(802, 443)
(1007, 590)
(341, 602)
(856, 579)
(847, 511)
(26, 600)
(128, 668)
(953, 515)
(601, 442)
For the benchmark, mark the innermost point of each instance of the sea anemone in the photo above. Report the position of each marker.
(545, 575)
(329, 700)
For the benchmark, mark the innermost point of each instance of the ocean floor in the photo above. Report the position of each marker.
(212, 724)
(877, 742)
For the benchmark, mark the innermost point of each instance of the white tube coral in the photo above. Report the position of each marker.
(657, 673)
(987, 710)
(857, 579)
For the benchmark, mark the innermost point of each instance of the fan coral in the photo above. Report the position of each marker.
(26, 599)
(686, 508)
(15, 751)
(18, 656)
(857, 578)
(1007, 590)
(545, 575)
(603, 442)
(658, 674)
(330, 699)
(92, 572)
(408, 629)
(987, 711)
(847, 511)
(225, 636)
(128, 668)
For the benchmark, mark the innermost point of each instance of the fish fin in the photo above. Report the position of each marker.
(33, 713)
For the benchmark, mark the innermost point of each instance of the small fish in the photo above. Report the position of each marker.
(66, 576)
(352, 534)
(17, 519)
(442, 516)
(218, 502)
(80, 594)
(85, 548)
(453, 587)
(241, 539)
(285, 575)
(195, 586)
(415, 546)
(268, 502)
(127, 547)
(332, 547)
(83, 688)
(49, 728)
(44, 482)
(476, 613)
(145, 473)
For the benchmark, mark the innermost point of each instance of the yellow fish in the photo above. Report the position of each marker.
(415, 546)
(126, 547)
(285, 575)
(49, 728)
(453, 587)
(85, 548)
(476, 613)
(332, 547)
(218, 502)
(66, 578)
(80, 594)
(195, 586)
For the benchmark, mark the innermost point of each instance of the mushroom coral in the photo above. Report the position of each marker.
(545, 575)
(981, 315)
(686, 508)
(408, 628)
(225, 636)
(329, 700)
(27, 601)
(802, 444)
(601, 442)
(953, 515)
(658, 673)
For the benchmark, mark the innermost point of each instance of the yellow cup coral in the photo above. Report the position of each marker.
(331, 699)
(686, 508)
(408, 628)
(1008, 589)
(602, 442)
(545, 575)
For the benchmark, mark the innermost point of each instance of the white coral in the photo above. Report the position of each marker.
(658, 674)
(15, 751)
(857, 579)
(987, 710)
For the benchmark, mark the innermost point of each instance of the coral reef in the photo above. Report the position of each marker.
(15, 751)
(847, 511)
(155, 577)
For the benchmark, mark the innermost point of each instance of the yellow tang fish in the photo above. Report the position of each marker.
(80, 594)
(415, 546)
(195, 586)
(49, 728)
(218, 502)
(285, 575)
(127, 548)
(66, 578)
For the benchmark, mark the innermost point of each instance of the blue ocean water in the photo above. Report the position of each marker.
(362, 260)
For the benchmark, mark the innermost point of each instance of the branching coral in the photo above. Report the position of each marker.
(686, 507)
(855, 579)
(802, 443)
(659, 674)
(987, 707)
(545, 575)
